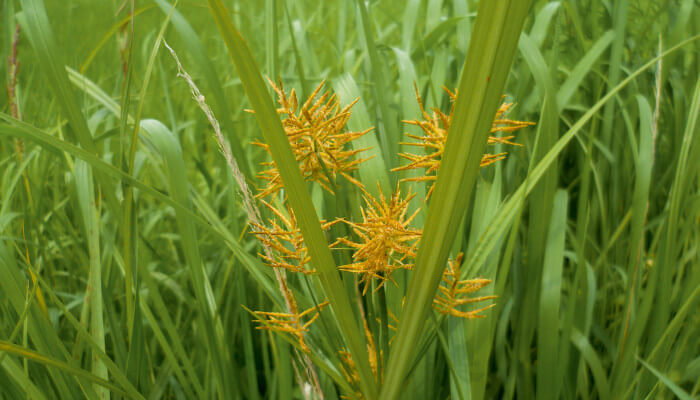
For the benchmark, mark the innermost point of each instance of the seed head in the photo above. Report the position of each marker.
(294, 323)
(435, 127)
(316, 133)
(386, 242)
(347, 365)
(453, 292)
(284, 237)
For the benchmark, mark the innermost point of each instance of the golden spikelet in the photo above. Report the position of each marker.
(315, 132)
(294, 323)
(386, 242)
(452, 293)
(434, 138)
(284, 237)
(374, 358)
(394, 318)
(349, 369)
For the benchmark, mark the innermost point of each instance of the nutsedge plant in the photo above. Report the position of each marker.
(384, 239)
(382, 224)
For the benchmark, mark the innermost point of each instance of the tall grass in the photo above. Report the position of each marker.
(130, 265)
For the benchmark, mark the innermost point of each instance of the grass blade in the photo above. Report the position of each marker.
(550, 298)
(93, 295)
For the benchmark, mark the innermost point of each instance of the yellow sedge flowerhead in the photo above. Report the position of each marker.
(435, 127)
(347, 365)
(284, 238)
(294, 323)
(386, 241)
(349, 370)
(316, 133)
(452, 292)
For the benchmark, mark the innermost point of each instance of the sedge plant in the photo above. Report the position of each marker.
(380, 219)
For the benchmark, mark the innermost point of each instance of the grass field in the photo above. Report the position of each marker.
(495, 199)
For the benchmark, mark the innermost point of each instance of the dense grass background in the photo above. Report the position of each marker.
(597, 269)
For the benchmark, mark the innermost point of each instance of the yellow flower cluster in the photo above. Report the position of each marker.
(284, 238)
(435, 127)
(386, 241)
(315, 132)
(452, 292)
(295, 323)
(383, 240)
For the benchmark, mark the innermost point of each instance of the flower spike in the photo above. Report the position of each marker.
(294, 323)
(435, 127)
(284, 237)
(386, 241)
(453, 292)
(316, 134)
